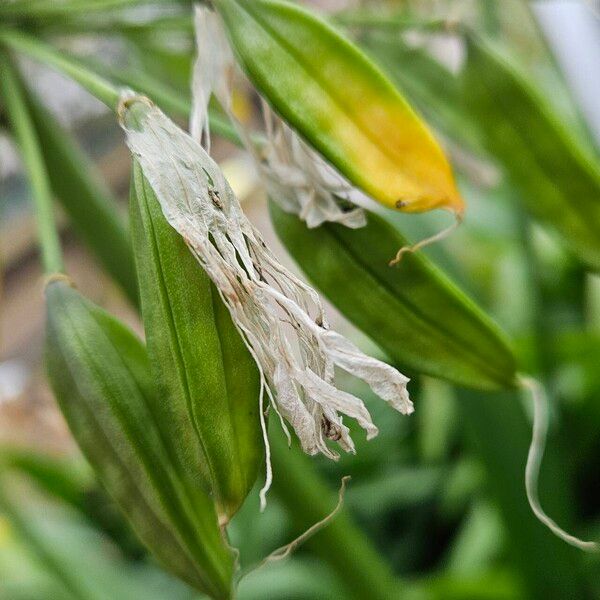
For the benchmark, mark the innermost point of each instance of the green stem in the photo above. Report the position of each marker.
(52, 8)
(100, 85)
(27, 140)
(341, 544)
(87, 201)
(171, 100)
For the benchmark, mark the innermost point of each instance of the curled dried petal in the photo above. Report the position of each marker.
(296, 176)
(281, 319)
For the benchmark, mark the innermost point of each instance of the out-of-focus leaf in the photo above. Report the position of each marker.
(71, 481)
(308, 499)
(207, 380)
(89, 204)
(341, 103)
(495, 585)
(464, 480)
(559, 182)
(437, 421)
(169, 65)
(394, 490)
(500, 435)
(101, 377)
(175, 100)
(47, 551)
(60, 477)
(292, 580)
(478, 542)
(414, 313)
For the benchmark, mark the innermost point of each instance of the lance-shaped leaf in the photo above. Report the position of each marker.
(558, 181)
(208, 382)
(92, 210)
(341, 103)
(101, 377)
(414, 313)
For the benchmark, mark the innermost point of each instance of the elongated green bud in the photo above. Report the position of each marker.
(208, 382)
(276, 312)
(100, 375)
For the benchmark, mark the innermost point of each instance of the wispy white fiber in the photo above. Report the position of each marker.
(296, 177)
(280, 317)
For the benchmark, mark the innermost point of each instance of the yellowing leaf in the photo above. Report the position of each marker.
(341, 103)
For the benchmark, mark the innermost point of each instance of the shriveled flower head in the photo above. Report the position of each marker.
(296, 177)
(280, 318)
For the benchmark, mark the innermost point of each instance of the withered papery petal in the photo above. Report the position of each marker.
(280, 317)
(296, 176)
(209, 70)
(384, 380)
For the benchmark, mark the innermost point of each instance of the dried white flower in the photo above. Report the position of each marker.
(280, 317)
(296, 176)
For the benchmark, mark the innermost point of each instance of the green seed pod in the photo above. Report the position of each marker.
(414, 313)
(100, 375)
(341, 103)
(207, 380)
(558, 181)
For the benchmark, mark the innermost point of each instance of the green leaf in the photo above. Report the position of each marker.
(413, 312)
(89, 204)
(207, 380)
(558, 181)
(71, 481)
(101, 377)
(341, 103)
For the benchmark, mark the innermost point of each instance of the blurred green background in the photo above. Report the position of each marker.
(438, 498)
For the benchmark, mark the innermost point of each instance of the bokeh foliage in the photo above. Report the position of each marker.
(440, 497)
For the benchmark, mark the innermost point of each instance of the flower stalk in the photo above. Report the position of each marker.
(99, 80)
(26, 138)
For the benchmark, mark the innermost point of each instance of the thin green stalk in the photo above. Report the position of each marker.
(96, 79)
(99, 87)
(26, 138)
(341, 544)
(171, 100)
(89, 204)
(50, 8)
